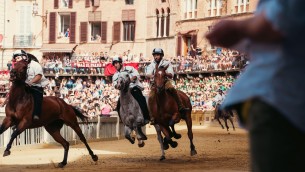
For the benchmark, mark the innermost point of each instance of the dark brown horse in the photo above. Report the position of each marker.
(225, 115)
(164, 109)
(55, 112)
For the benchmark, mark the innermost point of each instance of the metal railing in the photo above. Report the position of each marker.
(97, 128)
(23, 40)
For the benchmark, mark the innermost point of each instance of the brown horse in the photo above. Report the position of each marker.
(225, 115)
(55, 112)
(164, 109)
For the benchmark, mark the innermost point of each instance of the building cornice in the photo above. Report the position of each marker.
(214, 17)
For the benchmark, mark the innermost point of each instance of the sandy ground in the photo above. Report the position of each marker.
(217, 151)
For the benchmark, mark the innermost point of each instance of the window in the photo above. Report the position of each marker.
(65, 25)
(210, 28)
(25, 20)
(65, 3)
(129, 30)
(129, 2)
(163, 1)
(96, 31)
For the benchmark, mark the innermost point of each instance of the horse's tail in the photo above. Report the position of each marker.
(79, 113)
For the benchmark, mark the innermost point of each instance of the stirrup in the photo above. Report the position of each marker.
(183, 109)
(36, 117)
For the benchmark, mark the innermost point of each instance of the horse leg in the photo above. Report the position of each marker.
(127, 134)
(20, 128)
(167, 138)
(6, 123)
(231, 120)
(226, 123)
(81, 136)
(160, 139)
(54, 130)
(190, 133)
(175, 135)
(220, 123)
(140, 134)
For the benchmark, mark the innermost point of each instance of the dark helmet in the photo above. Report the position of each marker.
(220, 91)
(117, 59)
(21, 53)
(158, 51)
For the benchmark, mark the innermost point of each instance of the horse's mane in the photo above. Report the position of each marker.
(32, 57)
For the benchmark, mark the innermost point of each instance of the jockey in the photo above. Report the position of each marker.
(135, 86)
(35, 79)
(158, 60)
(218, 99)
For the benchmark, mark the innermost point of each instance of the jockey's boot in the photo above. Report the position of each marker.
(181, 108)
(152, 120)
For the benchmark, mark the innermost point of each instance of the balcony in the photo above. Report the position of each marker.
(21, 41)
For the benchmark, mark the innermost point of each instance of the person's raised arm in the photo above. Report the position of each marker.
(227, 33)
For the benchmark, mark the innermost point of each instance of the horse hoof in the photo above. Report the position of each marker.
(6, 153)
(193, 152)
(143, 138)
(61, 165)
(141, 145)
(94, 157)
(162, 158)
(165, 146)
(177, 136)
(173, 144)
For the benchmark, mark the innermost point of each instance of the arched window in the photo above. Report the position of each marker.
(157, 22)
(168, 22)
(162, 23)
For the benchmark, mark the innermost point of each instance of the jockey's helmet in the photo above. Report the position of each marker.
(158, 51)
(220, 91)
(21, 53)
(116, 59)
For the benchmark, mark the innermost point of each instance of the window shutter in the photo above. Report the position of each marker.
(104, 32)
(72, 27)
(96, 3)
(194, 41)
(116, 31)
(55, 4)
(52, 28)
(87, 4)
(70, 3)
(179, 45)
(83, 32)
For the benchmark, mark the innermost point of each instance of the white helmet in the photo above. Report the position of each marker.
(21, 53)
(117, 59)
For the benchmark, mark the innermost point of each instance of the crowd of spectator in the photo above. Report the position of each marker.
(94, 63)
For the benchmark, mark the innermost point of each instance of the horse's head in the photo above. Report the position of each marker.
(19, 73)
(160, 78)
(123, 81)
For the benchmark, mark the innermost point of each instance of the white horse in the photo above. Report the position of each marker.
(130, 111)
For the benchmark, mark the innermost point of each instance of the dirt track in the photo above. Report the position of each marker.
(217, 151)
